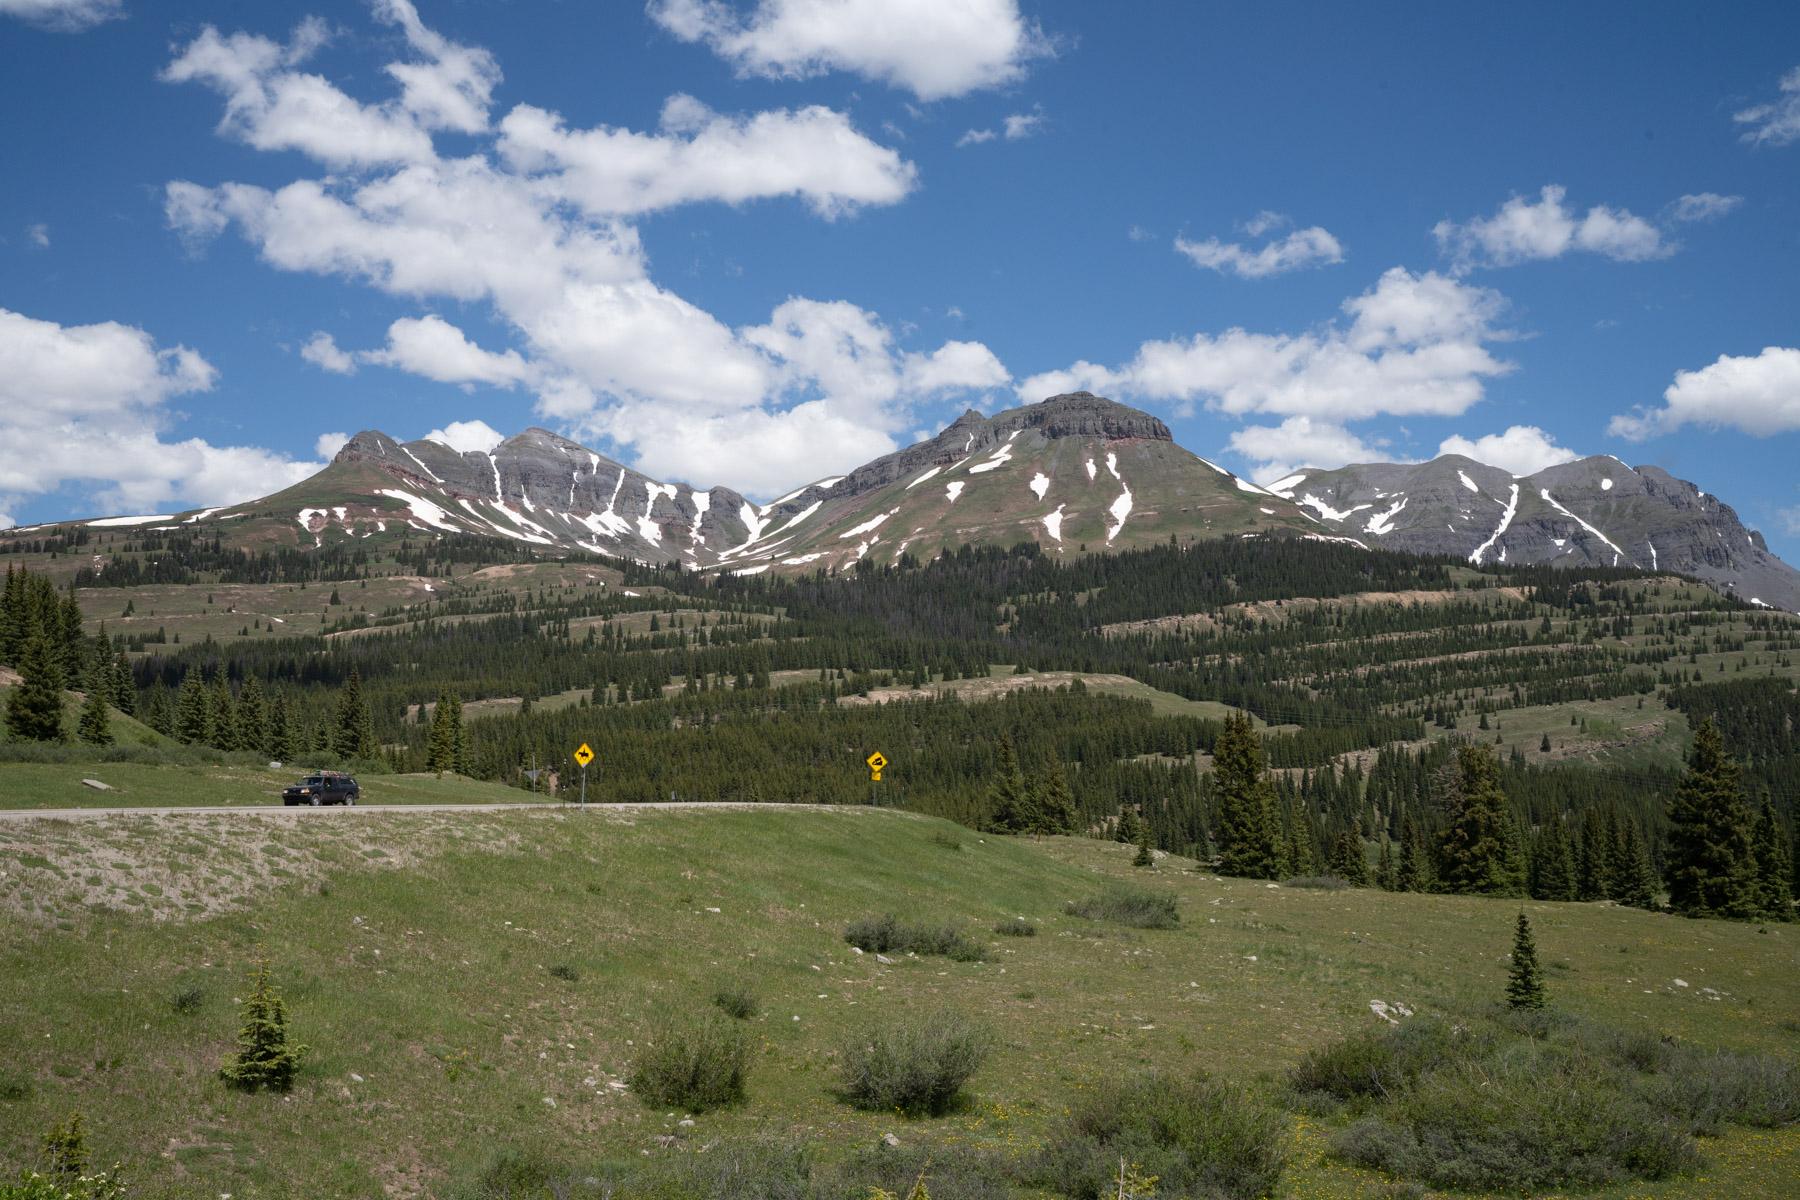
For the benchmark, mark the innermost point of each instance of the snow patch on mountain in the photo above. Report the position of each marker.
(1467, 482)
(112, 522)
(1040, 483)
(1506, 518)
(1091, 470)
(495, 463)
(921, 479)
(800, 516)
(1285, 487)
(428, 471)
(1383, 522)
(1329, 513)
(1244, 485)
(999, 458)
(953, 490)
(1551, 500)
(867, 526)
(1121, 508)
(1112, 464)
(1053, 522)
(1606, 485)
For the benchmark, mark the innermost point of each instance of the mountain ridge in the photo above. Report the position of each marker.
(1074, 473)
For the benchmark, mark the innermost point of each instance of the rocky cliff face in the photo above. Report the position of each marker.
(1596, 511)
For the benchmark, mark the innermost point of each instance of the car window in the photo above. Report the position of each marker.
(312, 781)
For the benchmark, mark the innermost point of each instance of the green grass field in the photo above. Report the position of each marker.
(417, 961)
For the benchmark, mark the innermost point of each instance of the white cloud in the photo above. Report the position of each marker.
(1311, 247)
(1266, 221)
(452, 88)
(1413, 345)
(1279, 450)
(85, 404)
(932, 48)
(39, 235)
(63, 16)
(537, 231)
(1757, 394)
(1703, 206)
(814, 153)
(1522, 450)
(467, 436)
(1776, 123)
(432, 347)
(1019, 126)
(769, 452)
(328, 444)
(1524, 231)
(321, 350)
(976, 137)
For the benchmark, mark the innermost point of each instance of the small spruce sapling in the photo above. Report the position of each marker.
(265, 1058)
(1525, 987)
(1145, 857)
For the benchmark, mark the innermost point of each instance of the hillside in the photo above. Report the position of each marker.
(422, 979)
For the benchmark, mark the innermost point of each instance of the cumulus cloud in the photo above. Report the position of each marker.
(1525, 230)
(814, 154)
(1310, 247)
(932, 48)
(1280, 450)
(432, 347)
(321, 350)
(976, 137)
(63, 16)
(1703, 206)
(1412, 345)
(86, 404)
(1758, 394)
(467, 436)
(328, 444)
(1778, 122)
(538, 232)
(1522, 450)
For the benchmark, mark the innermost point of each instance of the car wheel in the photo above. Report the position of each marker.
(350, 800)
(315, 802)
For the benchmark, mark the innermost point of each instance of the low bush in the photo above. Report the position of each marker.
(1324, 883)
(694, 1065)
(189, 999)
(1537, 1100)
(886, 935)
(749, 1169)
(1015, 927)
(736, 1000)
(1127, 904)
(1198, 1136)
(949, 1172)
(510, 1173)
(948, 841)
(915, 1065)
(564, 972)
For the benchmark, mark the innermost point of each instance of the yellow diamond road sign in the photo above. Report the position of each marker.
(584, 755)
(876, 762)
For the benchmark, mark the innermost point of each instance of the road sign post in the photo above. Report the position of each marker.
(584, 754)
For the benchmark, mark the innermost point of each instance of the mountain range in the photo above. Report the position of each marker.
(1075, 473)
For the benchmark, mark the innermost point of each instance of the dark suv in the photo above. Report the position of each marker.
(327, 787)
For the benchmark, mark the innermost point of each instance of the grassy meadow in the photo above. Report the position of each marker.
(473, 982)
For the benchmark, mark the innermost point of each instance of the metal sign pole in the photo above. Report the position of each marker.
(584, 787)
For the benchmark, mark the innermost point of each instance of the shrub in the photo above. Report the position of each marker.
(750, 1169)
(1324, 883)
(189, 999)
(948, 841)
(1534, 1118)
(736, 1000)
(30, 1185)
(885, 934)
(694, 1066)
(510, 1174)
(1015, 927)
(1198, 1136)
(1126, 904)
(916, 1065)
(1382, 1063)
(564, 972)
(1707, 1091)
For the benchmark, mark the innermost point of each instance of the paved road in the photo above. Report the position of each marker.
(76, 814)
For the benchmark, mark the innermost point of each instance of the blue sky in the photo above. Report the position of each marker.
(755, 242)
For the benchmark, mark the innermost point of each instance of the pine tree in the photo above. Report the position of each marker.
(264, 1057)
(1635, 881)
(440, 749)
(193, 714)
(224, 717)
(1712, 864)
(252, 717)
(1347, 861)
(73, 641)
(1055, 802)
(1525, 986)
(1146, 856)
(1385, 876)
(280, 745)
(1009, 807)
(1414, 874)
(1474, 852)
(1553, 869)
(123, 685)
(1774, 872)
(1246, 829)
(354, 735)
(35, 710)
(1126, 830)
(96, 723)
(460, 762)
